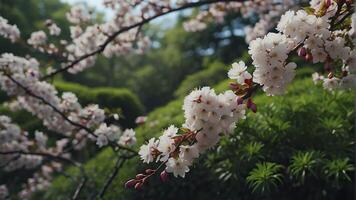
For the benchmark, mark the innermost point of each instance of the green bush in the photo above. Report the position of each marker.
(210, 76)
(113, 99)
(214, 73)
(296, 146)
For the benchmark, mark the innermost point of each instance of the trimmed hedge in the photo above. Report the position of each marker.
(210, 76)
(302, 120)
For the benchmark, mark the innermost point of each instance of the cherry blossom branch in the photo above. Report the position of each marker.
(55, 56)
(48, 155)
(55, 157)
(127, 28)
(80, 126)
(141, 179)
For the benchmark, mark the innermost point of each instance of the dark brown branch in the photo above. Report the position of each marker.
(334, 18)
(119, 163)
(127, 28)
(251, 91)
(48, 155)
(343, 18)
(79, 188)
(9, 161)
(60, 158)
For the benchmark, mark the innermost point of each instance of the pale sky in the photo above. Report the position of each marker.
(97, 4)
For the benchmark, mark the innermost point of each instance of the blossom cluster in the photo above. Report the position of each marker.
(269, 56)
(37, 39)
(12, 139)
(267, 11)
(41, 180)
(3, 192)
(9, 31)
(53, 28)
(208, 117)
(88, 38)
(49, 107)
(318, 42)
(17, 152)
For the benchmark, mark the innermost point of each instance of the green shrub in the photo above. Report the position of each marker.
(284, 132)
(210, 76)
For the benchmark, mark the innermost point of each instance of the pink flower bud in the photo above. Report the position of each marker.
(302, 52)
(130, 183)
(138, 185)
(239, 101)
(164, 176)
(327, 3)
(140, 176)
(252, 106)
(249, 82)
(150, 171)
(234, 86)
(308, 57)
(330, 75)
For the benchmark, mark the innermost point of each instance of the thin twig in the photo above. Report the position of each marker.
(79, 188)
(343, 19)
(48, 155)
(119, 163)
(9, 161)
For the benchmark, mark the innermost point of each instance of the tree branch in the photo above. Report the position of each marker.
(79, 188)
(119, 163)
(79, 126)
(55, 157)
(127, 28)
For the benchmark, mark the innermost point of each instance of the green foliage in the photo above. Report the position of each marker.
(253, 150)
(303, 163)
(284, 151)
(210, 76)
(306, 131)
(337, 170)
(265, 177)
